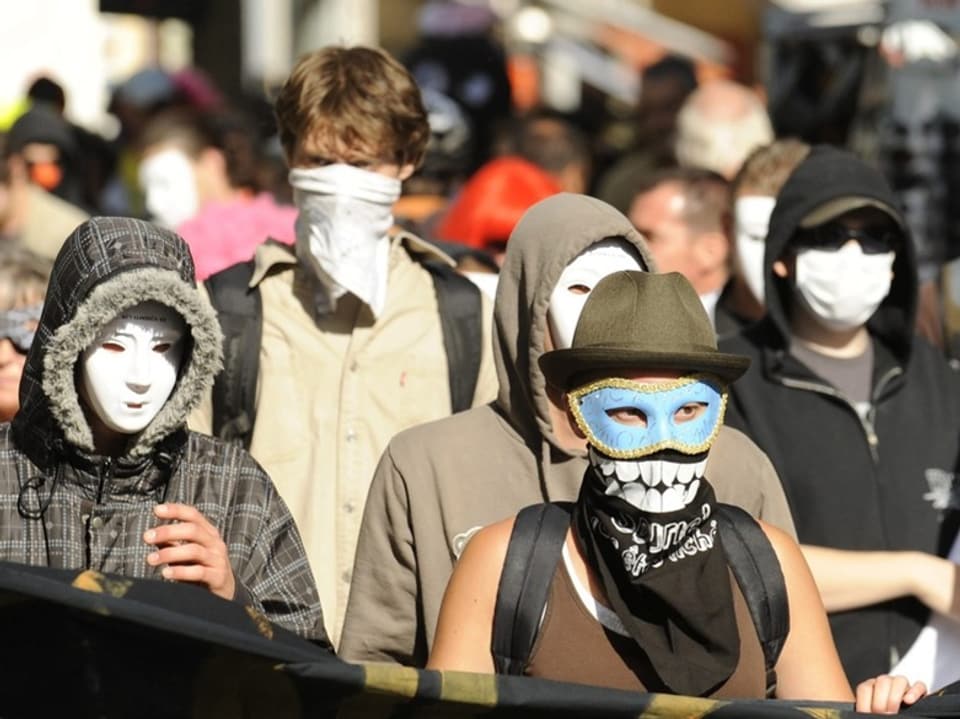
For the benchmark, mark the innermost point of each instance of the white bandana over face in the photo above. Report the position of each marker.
(129, 371)
(170, 185)
(345, 215)
(577, 282)
(751, 220)
(843, 288)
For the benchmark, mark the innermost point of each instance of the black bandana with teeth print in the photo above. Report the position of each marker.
(664, 580)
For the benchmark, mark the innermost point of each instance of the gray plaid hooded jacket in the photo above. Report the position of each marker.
(62, 505)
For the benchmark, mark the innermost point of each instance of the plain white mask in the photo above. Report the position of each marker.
(345, 215)
(577, 281)
(843, 288)
(751, 220)
(129, 371)
(170, 187)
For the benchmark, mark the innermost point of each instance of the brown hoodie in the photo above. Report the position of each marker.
(440, 482)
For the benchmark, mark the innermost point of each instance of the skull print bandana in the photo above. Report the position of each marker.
(645, 520)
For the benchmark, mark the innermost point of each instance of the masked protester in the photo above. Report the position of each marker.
(366, 329)
(642, 596)
(99, 471)
(437, 484)
(754, 193)
(860, 417)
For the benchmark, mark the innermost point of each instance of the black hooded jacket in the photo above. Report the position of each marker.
(877, 483)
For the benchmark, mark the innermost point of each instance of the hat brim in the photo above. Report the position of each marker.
(841, 205)
(561, 366)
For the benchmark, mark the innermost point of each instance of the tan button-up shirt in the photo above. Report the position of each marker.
(334, 388)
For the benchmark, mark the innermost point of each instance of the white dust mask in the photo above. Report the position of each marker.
(130, 369)
(170, 188)
(577, 281)
(751, 220)
(843, 288)
(345, 215)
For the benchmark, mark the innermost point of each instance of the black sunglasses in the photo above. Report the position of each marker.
(834, 235)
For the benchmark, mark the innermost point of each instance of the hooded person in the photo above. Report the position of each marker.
(439, 483)
(860, 417)
(98, 469)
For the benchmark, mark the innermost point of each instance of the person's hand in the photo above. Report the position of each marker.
(191, 548)
(884, 694)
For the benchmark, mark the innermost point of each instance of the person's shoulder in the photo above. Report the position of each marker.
(218, 455)
(488, 547)
(733, 440)
(464, 429)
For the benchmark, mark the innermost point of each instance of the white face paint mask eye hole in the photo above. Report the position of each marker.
(128, 373)
(579, 278)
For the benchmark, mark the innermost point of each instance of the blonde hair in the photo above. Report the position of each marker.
(23, 277)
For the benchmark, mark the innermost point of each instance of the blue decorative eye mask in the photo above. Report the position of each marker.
(625, 419)
(20, 325)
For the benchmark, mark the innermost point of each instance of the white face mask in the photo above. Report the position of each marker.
(170, 185)
(345, 215)
(751, 220)
(843, 288)
(577, 281)
(129, 371)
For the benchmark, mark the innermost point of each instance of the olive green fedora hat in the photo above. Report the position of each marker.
(641, 320)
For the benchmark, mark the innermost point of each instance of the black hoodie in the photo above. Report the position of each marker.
(877, 483)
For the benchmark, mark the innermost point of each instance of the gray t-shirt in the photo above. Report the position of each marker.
(851, 376)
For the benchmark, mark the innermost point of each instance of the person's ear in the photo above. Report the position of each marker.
(784, 268)
(406, 171)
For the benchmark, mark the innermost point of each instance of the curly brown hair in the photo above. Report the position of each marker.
(364, 105)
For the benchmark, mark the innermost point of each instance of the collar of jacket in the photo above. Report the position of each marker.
(274, 254)
(780, 366)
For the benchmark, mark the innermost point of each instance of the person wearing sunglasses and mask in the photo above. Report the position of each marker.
(860, 417)
(23, 285)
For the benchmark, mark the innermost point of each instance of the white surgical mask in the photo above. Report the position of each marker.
(577, 281)
(751, 220)
(129, 371)
(170, 188)
(345, 215)
(843, 288)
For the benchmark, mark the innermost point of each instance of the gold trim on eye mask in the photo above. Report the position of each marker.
(574, 397)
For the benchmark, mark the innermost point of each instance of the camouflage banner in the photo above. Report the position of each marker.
(103, 646)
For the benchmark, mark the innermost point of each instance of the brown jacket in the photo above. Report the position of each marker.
(335, 387)
(440, 482)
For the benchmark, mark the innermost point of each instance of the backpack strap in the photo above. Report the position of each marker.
(757, 570)
(532, 556)
(240, 312)
(460, 319)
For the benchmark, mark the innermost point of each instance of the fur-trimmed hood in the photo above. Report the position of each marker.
(107, 265)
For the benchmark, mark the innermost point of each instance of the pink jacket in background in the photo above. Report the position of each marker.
(223, 234)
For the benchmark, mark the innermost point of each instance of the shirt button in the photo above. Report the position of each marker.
(348, 508)
(345, 577)
(96, 522)
(353, 366)
(351, 435)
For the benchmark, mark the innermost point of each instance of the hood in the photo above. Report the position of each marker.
(827, 174)
(105, 266)
(547, 238)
